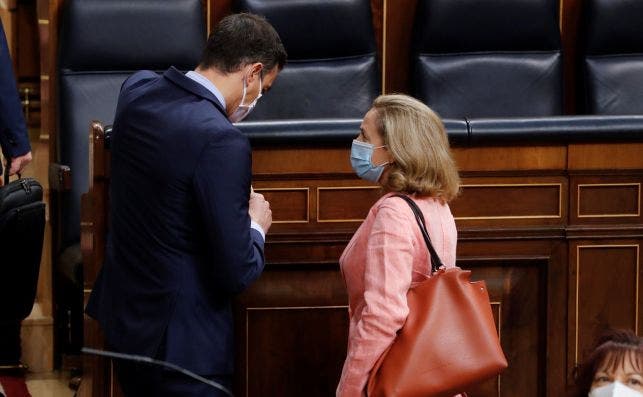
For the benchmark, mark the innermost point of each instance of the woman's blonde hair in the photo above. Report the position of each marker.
(415, 137)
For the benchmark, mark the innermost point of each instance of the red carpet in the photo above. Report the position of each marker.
(13, 386)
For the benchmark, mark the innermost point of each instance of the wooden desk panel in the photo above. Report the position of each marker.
(528, 225)
(516, 215)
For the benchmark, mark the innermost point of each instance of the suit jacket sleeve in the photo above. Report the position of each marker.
(222, 186)
(13, 131)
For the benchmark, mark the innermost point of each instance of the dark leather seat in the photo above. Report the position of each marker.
(101, 43)
(488, 58)
(332, 69)
(612, 59)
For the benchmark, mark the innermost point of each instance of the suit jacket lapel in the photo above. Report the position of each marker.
(178, 78)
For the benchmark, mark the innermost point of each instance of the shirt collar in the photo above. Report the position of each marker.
(201, 79)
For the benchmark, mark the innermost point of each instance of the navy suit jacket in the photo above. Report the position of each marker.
(180, 244)
(13, 131)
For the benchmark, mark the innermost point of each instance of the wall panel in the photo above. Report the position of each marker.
(288, 205)
(606, 199)
(510, 201)
(298, 345)
(292, 328)
(345, 204)
(604, 279)
(517, 289)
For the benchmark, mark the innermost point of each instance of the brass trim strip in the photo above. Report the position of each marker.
(638, 206)
(384, 8)
(560, 202)
(248, 309)
(43, 22)
(111, 378)
(560, 17)
(44, 77)
(636, 314)
(510, 184)
(499, 334)
(499, 314)
(263, 308)
(467, 218)
(306, 189)
(208, 22)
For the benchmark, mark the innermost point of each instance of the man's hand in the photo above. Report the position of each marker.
(259, 210)
(18, 163)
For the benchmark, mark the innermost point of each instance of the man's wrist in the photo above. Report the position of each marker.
(257, 227)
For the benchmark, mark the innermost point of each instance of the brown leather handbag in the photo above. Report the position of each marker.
(449, 341)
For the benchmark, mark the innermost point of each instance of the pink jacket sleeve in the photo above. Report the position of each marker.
(387, 278)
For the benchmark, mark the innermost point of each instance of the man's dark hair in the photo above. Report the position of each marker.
(240, 39)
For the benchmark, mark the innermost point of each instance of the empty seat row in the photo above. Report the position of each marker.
(470, 58)
(462, 132)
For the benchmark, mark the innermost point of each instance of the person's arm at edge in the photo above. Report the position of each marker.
(14, 139)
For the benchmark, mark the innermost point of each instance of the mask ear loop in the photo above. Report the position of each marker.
(245, 88)
(384, 163)
(260, 87)
(260, 94)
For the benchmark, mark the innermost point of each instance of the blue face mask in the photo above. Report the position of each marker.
(361, 154)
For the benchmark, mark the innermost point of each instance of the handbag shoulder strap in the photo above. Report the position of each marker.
(436, 262)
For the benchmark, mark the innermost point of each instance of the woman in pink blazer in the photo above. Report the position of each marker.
(402, 145)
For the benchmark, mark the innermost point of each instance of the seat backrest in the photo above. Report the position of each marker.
(488, 58)
(612, 59)
(101, 43)
(332, 69)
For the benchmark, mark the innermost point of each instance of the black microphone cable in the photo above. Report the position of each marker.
(148, 360)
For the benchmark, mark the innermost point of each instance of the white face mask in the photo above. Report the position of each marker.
(243, 110)
(614, 389)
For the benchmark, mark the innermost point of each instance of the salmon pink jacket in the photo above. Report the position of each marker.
(384, 258)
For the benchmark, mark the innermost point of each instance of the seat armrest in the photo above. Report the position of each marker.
(59, 177)
(291, 132)
(559, 129)
(324, 132)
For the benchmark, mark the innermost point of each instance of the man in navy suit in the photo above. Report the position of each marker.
(13, 131)
(186, 230)
(14, 142)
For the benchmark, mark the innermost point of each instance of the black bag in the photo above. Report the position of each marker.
(22, 227)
